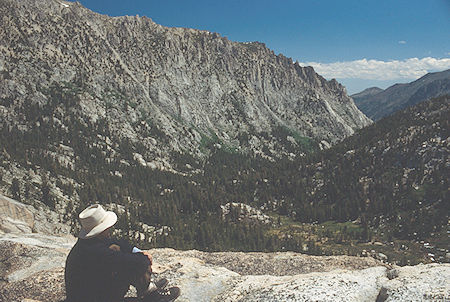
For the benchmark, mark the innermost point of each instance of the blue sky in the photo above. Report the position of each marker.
(361, 43)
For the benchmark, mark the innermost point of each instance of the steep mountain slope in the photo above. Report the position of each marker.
(160, 90)
(390, 178)
(379, 103)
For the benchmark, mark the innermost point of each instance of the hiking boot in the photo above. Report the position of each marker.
(161, 283)
(163, 295)
(154, 286)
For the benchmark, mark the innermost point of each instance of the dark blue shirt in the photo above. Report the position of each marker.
(92, 269)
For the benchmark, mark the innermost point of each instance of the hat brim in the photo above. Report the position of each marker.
(109, 220)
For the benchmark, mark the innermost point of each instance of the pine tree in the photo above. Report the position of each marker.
(15, 189)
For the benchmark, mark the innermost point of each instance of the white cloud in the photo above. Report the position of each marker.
(402, 42)
(412, 68)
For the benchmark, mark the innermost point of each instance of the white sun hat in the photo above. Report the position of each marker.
(94, 220)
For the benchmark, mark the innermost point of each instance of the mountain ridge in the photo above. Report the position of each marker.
(379, 103)
(180, 89)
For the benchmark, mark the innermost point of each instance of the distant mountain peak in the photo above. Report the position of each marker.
(377, 104)
(367, 92)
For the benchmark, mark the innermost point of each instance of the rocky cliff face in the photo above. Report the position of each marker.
(33, 270)
(161, 89)
(16, 217)
(377, 103)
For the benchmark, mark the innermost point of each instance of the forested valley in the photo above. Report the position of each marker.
(387, 184)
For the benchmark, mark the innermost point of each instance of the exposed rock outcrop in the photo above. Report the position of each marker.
(16, 217)
(34, 270)
(237, 211)
(32, 267)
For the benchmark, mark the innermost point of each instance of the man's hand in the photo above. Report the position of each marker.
(114, 247)
(149, 256)
(149, 269)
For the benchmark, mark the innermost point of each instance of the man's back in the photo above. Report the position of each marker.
(99, 269)
(92, 270)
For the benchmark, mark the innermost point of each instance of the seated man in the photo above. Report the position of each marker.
(99, 269)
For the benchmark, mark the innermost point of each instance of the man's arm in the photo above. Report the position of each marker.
(120, 261)
(126, 246)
